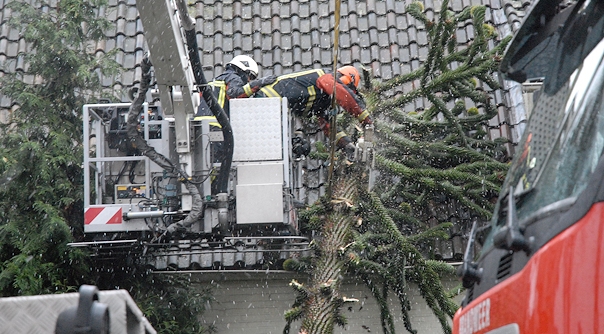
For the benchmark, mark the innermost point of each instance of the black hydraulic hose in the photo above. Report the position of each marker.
(222, 180)
(133, 121)
(140, 143)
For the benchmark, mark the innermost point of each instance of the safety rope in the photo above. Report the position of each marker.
(333, 111)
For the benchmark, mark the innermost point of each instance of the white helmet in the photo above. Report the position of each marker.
(246, 64)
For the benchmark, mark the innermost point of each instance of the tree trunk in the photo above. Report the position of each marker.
(324, 300)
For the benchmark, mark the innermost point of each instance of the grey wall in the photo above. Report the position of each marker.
(254, 303)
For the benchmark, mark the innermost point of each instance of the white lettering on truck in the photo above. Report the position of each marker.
(477, 318)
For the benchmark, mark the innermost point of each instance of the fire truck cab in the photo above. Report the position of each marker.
(541, 264)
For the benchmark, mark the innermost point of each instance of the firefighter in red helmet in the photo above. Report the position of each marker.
(310, 92)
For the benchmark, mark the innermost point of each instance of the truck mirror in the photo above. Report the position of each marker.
(530, 53)
(88, 317)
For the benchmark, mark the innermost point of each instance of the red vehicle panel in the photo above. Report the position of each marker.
(560, 290)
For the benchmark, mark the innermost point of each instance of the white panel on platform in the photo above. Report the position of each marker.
(259, 193)
(257, 129)
(260, 173)
(259, 203)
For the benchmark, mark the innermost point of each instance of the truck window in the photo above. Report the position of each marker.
(564, 138)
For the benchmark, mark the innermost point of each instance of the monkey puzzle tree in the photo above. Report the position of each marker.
(439, 156)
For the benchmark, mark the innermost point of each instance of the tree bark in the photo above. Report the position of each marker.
(324, 299)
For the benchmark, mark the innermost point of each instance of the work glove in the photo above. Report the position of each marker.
(174, 227)
(350, 151)
(300, 147)
(263, 81)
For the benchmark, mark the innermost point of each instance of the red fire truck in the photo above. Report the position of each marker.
(541, 264)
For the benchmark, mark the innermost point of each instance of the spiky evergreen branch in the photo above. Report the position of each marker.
(426, 157)
(442, 150)
(412, 256)
(441, 156)
(381, 87)
(433, 173)
(438, 156)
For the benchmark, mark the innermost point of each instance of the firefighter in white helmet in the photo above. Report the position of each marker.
(239, 80)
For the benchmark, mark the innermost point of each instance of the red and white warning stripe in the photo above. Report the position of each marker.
(103, 215)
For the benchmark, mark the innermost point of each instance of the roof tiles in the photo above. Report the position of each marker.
(283, 36)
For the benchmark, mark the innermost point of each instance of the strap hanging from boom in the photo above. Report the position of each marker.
(334, 105)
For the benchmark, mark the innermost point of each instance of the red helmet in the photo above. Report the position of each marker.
(349, 75)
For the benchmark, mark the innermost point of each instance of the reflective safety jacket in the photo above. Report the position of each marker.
(230, 85)
(309, 93)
